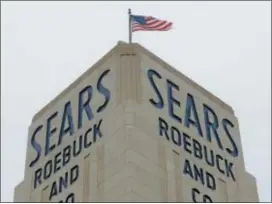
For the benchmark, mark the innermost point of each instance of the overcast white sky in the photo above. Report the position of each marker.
(224, 46)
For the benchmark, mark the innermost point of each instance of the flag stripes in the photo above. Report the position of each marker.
(149, 23)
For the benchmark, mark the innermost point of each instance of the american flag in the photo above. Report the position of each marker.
(149, 23)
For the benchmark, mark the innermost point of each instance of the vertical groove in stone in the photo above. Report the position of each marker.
(232, 192)
(126, 69)
(27, 190)
(86, 178)
(34, 196)
(232, 188)
(131, 77)
(31, 189)
(139, 81)
(45, 196)
(123, 79)
(128, 78)
(163, 171)
(100, 172)
(221, 186)
(118, 81)
(93, 181)
(178, 177)
(171, 176)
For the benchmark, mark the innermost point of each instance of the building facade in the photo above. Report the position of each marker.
(133, 129)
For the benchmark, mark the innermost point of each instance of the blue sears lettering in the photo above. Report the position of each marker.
(104, 91)
(226, 123)
(67, 122)
(150, 73)
(191, 118)
(36, 145)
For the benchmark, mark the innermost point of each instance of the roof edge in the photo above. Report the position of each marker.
(150, 54)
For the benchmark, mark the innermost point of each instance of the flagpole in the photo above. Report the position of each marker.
(129, 27)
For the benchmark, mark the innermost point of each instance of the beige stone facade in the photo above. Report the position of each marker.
(133, 129)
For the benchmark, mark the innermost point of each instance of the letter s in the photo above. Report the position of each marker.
(104, 91)
(150, 74)
(235, 151)
(36, 146)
